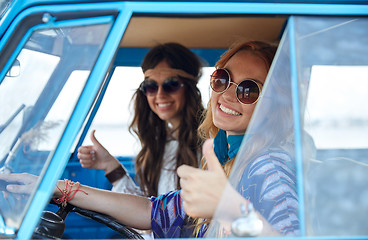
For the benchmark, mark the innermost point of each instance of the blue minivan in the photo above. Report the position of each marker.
(67, 67)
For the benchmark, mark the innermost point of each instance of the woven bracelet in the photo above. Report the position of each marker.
(68, 193)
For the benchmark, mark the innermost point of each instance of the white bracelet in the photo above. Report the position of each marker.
(248, 224)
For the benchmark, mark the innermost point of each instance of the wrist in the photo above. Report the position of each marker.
(116, 174)
(111, 165)
(59, 185)
(67, 192)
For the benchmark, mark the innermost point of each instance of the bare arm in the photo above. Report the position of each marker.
(131, 210)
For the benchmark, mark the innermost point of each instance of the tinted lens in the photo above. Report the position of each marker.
(247, 92)
(150, 87)
(220, 80)
(171, 85)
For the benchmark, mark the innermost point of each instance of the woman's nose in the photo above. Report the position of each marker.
(161, 91)
(229, 94)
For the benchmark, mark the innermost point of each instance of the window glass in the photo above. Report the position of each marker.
(340, 116)
(37, 102)
(15, 105)
(333, 73)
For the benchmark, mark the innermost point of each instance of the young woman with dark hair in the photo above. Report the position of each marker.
(167, 111)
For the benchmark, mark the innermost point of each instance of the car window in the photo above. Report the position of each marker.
(38, 100)
(333, 62)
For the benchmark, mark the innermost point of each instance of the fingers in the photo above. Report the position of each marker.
(87, 156)
(86, 164)
(188, 175)
(190, 179)
(19, 182)
(189, 207)
(14, 177)
(86, 153)
(86, 150)
(21, 189)
(184, 170)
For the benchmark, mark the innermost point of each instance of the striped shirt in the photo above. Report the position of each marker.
(268, 181)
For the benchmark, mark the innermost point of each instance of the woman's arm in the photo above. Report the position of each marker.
(131, 210)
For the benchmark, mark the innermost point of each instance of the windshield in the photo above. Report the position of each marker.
(38, 96)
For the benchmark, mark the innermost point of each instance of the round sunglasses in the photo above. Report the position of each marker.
(170, 85)
(247, 91)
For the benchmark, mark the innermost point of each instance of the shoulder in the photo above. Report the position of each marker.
(271, 161)
(270, 172)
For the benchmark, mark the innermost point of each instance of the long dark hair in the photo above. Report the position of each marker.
(152, 131)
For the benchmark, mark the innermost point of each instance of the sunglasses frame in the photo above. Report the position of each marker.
(237, 85)
(177, 79)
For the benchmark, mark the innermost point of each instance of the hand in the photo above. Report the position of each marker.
(96, 156)
(21, 183)
(202, 189)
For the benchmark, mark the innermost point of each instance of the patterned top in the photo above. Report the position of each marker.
(269, 182)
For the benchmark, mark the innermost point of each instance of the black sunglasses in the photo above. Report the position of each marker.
(170, 85)
(247, 91)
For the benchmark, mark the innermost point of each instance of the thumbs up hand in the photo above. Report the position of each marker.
(202, 189)
(96, 156)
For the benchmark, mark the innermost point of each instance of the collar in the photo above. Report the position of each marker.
(221, 146)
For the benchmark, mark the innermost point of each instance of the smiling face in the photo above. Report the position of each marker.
(227, 112)
(167, 106)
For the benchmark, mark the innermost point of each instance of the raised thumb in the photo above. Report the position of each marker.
(212, 161)
(94, 139)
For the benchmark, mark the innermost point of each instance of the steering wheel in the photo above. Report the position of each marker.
(52, 224)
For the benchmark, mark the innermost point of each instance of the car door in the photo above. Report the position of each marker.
(54, 61)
